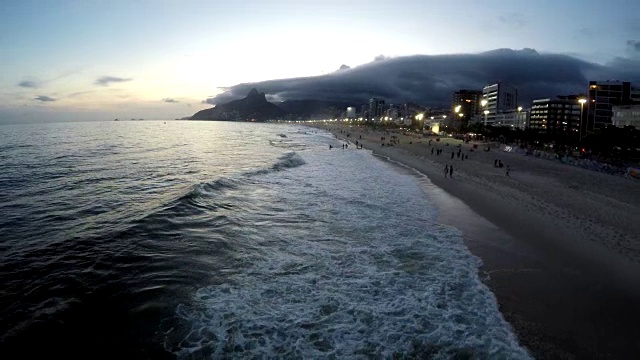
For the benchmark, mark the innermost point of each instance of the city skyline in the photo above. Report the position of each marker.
(92, 60)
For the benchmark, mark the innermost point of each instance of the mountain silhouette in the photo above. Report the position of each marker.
(253, 107)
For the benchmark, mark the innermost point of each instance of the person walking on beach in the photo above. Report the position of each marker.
(508, 169)
(446, 170)
(451, 171)
(453, 154)
(431, 151)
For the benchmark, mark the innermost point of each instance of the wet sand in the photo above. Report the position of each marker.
(559, 244)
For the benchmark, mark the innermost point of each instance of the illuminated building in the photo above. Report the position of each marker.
(498, 98)
(467, 103)
(556, 116)
(603, 95)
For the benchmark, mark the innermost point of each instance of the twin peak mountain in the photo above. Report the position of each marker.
(255, 107)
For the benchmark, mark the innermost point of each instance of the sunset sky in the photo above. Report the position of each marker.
(160, 59)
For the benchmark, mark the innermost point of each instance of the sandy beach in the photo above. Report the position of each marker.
(560, 244)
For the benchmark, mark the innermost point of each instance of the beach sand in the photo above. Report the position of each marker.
(560, 245)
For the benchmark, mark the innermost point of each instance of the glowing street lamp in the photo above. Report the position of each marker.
(581, 101)
(486, 112)
(519, 118)
(419, 119)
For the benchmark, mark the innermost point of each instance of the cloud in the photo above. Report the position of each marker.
(430, 80)
(28, 84)
(514, 19)
(169, 100)
(80, 93)
(633, 45)
(44, 98)
(107, 80)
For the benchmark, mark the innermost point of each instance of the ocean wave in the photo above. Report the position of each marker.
(288, 161)
(363, 276)
(209, 196)
(410, 297)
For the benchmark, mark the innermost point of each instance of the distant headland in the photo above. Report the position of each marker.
(255, 107)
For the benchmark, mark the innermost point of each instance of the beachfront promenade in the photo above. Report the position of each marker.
(560, 244)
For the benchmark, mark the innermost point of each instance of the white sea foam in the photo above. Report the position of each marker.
(352, 264)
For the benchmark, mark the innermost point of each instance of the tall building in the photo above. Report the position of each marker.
(603, 95)
(635, 94)
(364, 111)
(626, 115)
(392, 112)
(376, 109)
(466, 105)
(515, 119)
(499, 98)
(556, 116)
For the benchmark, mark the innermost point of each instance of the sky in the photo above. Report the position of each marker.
(99, 60)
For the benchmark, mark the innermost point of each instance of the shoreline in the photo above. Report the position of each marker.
(566, 279)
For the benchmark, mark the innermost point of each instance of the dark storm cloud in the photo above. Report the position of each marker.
(169, 100)
(44, 98)
(106, 80)
(634, 45)
(431, 79)
(28, 84)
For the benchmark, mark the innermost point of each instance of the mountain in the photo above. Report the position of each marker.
(253, 107)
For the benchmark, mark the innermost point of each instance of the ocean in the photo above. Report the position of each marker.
(187, 239)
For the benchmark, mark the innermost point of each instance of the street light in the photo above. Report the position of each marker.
(484, 103)
(419, 118)
(581, 101)
(519, 117)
